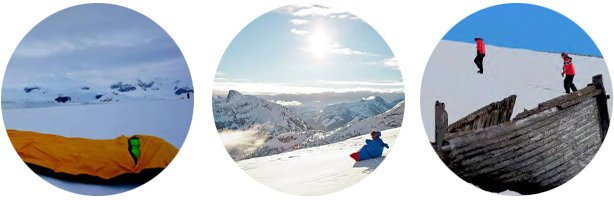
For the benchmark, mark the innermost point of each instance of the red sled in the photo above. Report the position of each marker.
(354, 156)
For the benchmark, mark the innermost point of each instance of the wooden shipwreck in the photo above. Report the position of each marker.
(536, 151)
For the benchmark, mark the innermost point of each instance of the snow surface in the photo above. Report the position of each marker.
(167, 119)
(450, 76)
(316, 170)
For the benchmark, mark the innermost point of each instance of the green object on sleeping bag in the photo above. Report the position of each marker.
(135, 148)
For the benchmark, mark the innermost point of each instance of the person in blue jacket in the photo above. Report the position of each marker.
(373, 149)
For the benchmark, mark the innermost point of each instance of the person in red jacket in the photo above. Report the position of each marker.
(481, 53)
(568, 72)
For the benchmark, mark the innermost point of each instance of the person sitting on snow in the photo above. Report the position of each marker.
(373, 149)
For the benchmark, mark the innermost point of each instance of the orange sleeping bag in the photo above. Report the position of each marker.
(93, 160)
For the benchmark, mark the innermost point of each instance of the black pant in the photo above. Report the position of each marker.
(478, 61)
(568, 83)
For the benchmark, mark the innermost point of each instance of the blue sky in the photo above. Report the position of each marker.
(524, 26)
(308, 49)
(94, 45)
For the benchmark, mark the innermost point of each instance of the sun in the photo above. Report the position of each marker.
(318, 43)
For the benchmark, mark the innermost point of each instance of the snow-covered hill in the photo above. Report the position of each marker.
(240, 112)
(317, 170)
(337, 115)
(450, 76)
(167, 119)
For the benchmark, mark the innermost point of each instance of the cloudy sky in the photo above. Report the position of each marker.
(308, 49)
(94, 45)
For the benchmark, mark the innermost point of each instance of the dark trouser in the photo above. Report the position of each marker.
(478, 61)
(568, 83)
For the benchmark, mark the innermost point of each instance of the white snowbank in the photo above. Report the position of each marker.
(317, 170)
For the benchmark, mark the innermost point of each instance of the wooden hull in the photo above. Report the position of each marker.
(539, 150)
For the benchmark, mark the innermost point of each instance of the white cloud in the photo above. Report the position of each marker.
(389, 62)
(336, 48)
(298, 21)
(346, 51)
(124, 38)
(260, 88)
(248, 140)
(299, 32)
(372, 83)
(303, 10)
(287, 103)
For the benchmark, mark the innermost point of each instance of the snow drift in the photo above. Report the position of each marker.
(317, 170)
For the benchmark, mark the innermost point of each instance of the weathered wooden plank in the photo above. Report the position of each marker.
(589, 91)
(495, 136)
(492, 114)
(441, 123)
(509, 159)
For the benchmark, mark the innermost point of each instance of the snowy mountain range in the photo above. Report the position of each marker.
(240, 112)
(337, 115)
(392, 118)
(156, 89)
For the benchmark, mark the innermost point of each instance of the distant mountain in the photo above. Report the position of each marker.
(337, 115)
(240, 112)
(158, 88)
(395, 102)
(392, 118)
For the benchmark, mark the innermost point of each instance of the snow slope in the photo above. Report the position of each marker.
(450, 76)
(167, 119)
(317, 170)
